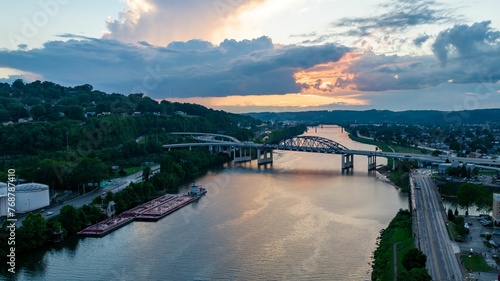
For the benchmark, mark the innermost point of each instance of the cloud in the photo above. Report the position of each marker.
(195, 68)
(465, 41)
(399, 15)
(160, 22)
(466, 54)
(421, 40)
(391, 27)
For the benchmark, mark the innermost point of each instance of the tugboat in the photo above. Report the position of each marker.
(197, 191)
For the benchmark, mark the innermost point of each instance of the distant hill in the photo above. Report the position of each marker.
(422, 117)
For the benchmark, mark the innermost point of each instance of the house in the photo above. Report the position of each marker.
(474, 155)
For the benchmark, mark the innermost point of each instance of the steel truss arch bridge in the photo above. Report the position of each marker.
(307, 144)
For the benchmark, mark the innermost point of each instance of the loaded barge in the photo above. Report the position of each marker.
(149, 211)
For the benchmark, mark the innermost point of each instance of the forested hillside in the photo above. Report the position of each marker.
(421, 117)
(63, 136)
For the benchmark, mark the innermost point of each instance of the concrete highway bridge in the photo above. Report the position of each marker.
(242, 151)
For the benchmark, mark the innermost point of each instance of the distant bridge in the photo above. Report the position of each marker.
(228, 144)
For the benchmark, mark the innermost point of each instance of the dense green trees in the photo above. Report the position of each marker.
(414, 263)
(416, 274)
(65, 150)
(72, 220)
(33, 232)
(470, 194)
(414, 258)
(287, 132)
(462, 171)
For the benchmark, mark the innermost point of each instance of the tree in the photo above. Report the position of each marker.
(75, 112)
(33, 231)
(146, 173)
(16, 111)
(484, 200)
(416, 274)
(467, 195)
(92, 212)
(89, 170)
(38, 111)
(460, 225)
(70, 219)
(451, 216)
(414, 258)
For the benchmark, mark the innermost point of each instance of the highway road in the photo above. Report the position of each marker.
(117, 185)
(432, 237)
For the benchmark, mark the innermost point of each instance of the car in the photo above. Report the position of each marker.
(459, 239)
(487, 223)
(469, 223)
(496, 232)
(50, 213)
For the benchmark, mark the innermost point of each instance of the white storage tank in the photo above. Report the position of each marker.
(3, 199)
(31, 196)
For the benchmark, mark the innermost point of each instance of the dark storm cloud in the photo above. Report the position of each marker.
(476, 40)
(194, 68)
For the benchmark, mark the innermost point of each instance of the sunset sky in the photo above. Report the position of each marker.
(263, 55)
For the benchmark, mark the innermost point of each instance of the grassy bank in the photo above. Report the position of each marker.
(398, 233)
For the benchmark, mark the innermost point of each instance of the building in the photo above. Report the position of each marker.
(496, 208)
(443, 167)
(31, 196)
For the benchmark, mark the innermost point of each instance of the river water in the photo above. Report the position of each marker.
(299, 219)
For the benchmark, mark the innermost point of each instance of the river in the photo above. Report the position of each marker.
(299, 219)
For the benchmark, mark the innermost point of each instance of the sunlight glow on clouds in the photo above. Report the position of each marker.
(331, 77)
(286, 100)
(9, 73)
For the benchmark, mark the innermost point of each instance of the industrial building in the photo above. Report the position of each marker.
(31, 196)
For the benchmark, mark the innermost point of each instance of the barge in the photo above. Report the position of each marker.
(149, 211)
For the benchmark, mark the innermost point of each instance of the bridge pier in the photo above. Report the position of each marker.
(226, 149)
(394, 163)
(372, 162)
(264, 156)
(347, 162)
(245, 155)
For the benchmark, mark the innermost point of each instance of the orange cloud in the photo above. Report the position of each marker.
(332, 77)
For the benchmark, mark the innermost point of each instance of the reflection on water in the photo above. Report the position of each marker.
(298, 219)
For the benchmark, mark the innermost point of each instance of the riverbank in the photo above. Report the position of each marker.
(393, 243)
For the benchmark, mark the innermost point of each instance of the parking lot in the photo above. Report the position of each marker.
(474, 245)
